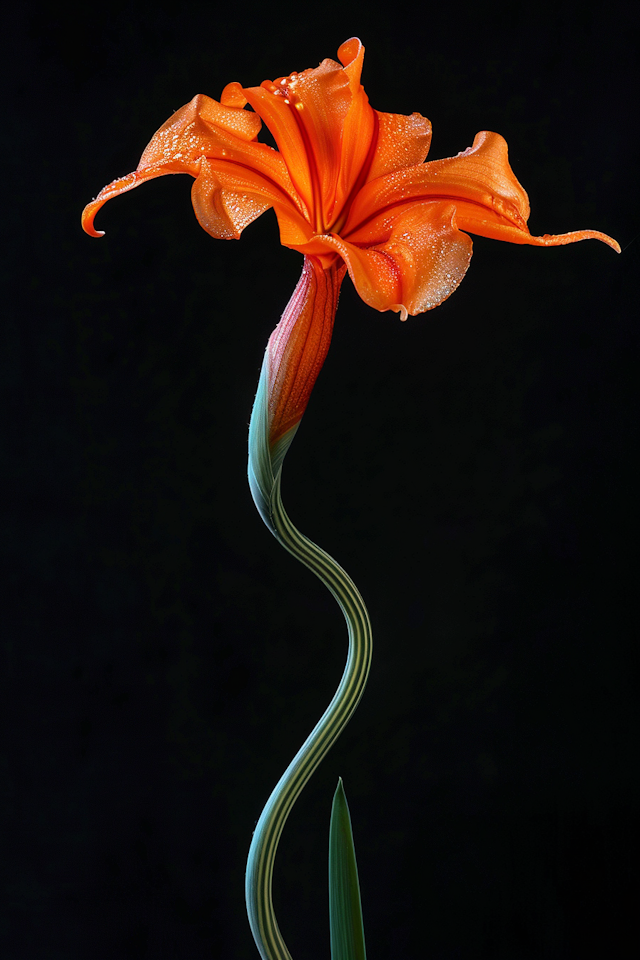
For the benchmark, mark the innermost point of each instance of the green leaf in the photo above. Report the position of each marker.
(345, 909)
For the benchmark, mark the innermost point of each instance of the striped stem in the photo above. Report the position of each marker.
(265, 469)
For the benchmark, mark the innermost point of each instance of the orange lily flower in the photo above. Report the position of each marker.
(351, 190)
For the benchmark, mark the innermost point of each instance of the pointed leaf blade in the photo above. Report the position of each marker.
(345, 909)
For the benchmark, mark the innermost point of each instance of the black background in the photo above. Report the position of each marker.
(471, 468)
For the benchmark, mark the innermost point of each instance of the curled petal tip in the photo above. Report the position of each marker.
(556, 240)
(88, 215)
(111, 190)
(233, 95)
(349, 50)
(597, 235)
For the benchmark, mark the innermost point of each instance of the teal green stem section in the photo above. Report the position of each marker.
(265, 469)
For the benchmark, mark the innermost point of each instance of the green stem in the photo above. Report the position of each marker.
(265, 468)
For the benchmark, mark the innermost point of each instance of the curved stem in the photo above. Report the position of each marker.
(265, 488)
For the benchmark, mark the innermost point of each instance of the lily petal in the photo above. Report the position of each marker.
(218, 210)
(202, 131)
(359, 132)
(402, 142)
(238, 194)
(305, 113)
(418, 265)
(489, 199)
